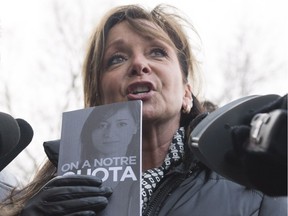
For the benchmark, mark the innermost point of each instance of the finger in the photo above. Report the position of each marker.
(56, 194)
(74, 180)
(82, 213)
(64, 207)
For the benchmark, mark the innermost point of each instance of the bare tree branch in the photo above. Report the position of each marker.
(245, 67)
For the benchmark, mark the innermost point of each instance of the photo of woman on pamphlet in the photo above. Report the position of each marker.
(109, 132)
(110, 148)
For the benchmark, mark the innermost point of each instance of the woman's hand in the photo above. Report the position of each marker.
(72, 195)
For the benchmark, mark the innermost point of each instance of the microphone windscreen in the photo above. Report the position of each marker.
(26, 135)
(26, 132)
(9, 133)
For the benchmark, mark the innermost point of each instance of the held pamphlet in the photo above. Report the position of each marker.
(105, 142)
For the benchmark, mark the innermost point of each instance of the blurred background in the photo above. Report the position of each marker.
(242, 50)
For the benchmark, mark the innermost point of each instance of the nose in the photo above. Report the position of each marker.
(108, 132)
(139, 66)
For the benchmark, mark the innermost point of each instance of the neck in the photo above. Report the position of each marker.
(156, 140)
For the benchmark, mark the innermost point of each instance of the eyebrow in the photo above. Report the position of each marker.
(116, 42)
(120, 41)
(122, 119)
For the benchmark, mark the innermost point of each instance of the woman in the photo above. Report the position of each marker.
(137, 54)
(110, 129)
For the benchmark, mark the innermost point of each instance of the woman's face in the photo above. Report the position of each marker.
(114, 134)
(142, 68)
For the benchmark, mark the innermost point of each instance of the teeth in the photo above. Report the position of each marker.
(140, 89)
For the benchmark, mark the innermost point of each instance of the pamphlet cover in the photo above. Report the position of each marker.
(105, 142)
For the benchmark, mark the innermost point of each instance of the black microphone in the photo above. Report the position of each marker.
(262, 164)
(9, 133)
(15, 136)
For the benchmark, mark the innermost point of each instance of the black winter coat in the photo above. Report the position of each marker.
(197, 191)
(204, 193)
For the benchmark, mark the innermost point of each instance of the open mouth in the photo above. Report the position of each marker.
(139, 88)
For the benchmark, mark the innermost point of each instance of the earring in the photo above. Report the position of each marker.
(187, 107)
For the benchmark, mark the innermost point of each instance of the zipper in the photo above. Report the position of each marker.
(172, 181)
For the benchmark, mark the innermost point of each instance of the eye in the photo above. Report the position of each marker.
(116, 59)
(159, 52)
(121, 124)
(102, 125)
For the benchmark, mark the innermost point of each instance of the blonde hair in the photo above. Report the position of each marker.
(14, 203)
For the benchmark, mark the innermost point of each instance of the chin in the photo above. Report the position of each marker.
(148, 115)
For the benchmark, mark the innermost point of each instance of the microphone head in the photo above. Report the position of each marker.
(26, 132)
(25, 136)
(9, 133)
(211, 140)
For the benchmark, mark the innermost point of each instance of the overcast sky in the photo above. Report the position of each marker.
(23, 25)
(35, 80)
